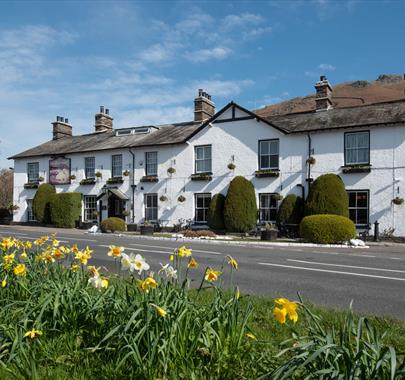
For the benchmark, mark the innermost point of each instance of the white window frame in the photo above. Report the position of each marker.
(205, 160)
(32, 175)
(276, 153)
(151, 209)
(30, 213)
(90, 167)
(267, 209)
(88, 211)
(151, 163)
(355, 150)
(356, 207)
(205, 207)
(116, 165)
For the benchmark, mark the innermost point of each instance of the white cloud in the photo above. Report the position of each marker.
(311, 74)
(156, 54)
(203, 55)
(243, 19)
(256, 32)
(327, 67)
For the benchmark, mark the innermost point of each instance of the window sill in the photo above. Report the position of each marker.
(149, 178)
(201, 176)
(88, 181)
(363, 168)
(115, 180)
(31, 185)
(267, 173)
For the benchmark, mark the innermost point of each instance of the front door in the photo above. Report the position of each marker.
(115, 207)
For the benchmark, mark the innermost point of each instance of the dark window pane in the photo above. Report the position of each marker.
(273, 201)
(352, 198)
(273, 214)
(352, 215)
(264, 162)
(274, 161)
(264, 147)
(362, 216)
(362, 199)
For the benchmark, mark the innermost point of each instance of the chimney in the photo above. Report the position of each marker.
(323, 98)
(104, 122)
(204, 107)
(61, 128)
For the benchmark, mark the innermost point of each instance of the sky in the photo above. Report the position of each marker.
(145, 60)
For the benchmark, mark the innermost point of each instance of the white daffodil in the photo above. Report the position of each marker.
(98, 282)
(169, 271)
(134, 263)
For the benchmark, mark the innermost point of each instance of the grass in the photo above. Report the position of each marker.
(128, 328)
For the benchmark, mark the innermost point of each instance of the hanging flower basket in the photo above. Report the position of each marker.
(231, 166)
(398, 201)
(181, 198)
(72, 177)
(98, 174)
(311, 160)
(40, 179)
(125, 173)
(163, 198)
(171, 170)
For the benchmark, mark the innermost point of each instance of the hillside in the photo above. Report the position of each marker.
(384, 88)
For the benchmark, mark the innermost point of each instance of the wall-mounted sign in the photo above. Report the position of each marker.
(59, 171)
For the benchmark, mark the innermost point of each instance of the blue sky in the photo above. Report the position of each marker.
(146, 60)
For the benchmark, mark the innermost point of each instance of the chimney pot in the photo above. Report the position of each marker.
(204, 107)
(101, 109)
(61, 128)
(103, 120)
(323, 98)
(107, 111)
(322, 78)
(66, 120)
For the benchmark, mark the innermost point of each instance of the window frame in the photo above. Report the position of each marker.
(30, 180)
(367, 191)
(202, 159)
(153, 207)
(113, 174)
(30, 213)
(259, 149)
(87, 169)
(148, 164)
(205, 195)
(268, 208)
(345, 148)
(87, 209)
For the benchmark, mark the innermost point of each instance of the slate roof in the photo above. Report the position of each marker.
(166, 134)
(350, 117)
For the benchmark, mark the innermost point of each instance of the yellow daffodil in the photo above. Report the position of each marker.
(4, 283)
(233, 263)
(58, 254)
(64, 249)
(7, 243)
(83, 257)
(162, 312)
(24, 256)
(171, 257)
(55, 242)
(184, 252)
(93, 270)
(98, 282)
(237, 293)
(250, 336)
(74, 267)
(74, 248)
(28, 245)
(290, 307)
(147, 284)
(20, 270)
(192, 264)
(33, 333)
(8, 259)
(280, 314)
(212, 275)
(115, 251)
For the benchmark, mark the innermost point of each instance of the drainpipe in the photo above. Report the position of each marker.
(309, 155)
(133, 186)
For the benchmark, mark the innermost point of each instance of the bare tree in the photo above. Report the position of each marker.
(6, 187)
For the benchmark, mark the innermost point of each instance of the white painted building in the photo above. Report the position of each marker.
(170, 172)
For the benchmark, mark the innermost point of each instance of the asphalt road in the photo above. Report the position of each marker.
(373, 278)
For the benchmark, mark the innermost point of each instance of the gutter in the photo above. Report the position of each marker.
(309, 155)
(133, 186)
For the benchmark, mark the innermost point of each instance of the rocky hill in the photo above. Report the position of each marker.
(385, 88)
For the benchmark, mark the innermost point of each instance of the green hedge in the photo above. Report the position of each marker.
(327, 229)
(216, 212)
(113, 224)
(66, 209)
(327, 196)
(41, 203)
(240, 209)
(290, 211)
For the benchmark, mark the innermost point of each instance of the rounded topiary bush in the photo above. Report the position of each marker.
(327, 196)
(215, 217)
(327, 229)
(290, 210)
(240, 209)
(41, 206)
(66, 209)
(113, 224)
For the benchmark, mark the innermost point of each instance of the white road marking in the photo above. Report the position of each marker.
(353, 254)
(12, 234)
(165, 247)
(347, 266)
(74, 238)
(395, 258)
(333, 271)
(167, 252)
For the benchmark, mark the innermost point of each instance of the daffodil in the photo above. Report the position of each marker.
(280, 314)
(28, 245)
(3, 283)
(55, 242)
(7, 243)
(134, 263)
(290, 307)
(83, 257)
(20, 270)
(93, 270)
(98, 282)
(74, 267)
(115, 251)
(162, 312)
(171, 257)
(33, 333)
(233, 263)
(237, 293)
(250, 336)
(64, 249)
(147, 284)
(8, 259)
(212, 275)
(192, 264)
(24, 256)
(74, 249)
(184, 252)
(58, 254)
(169, 271)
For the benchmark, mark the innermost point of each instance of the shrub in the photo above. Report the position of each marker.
(113, 224)
(41, 203)
(327, 196)
(290, 211)
(327, 229)
(66, 209)
(240, 210)
(215, 215)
